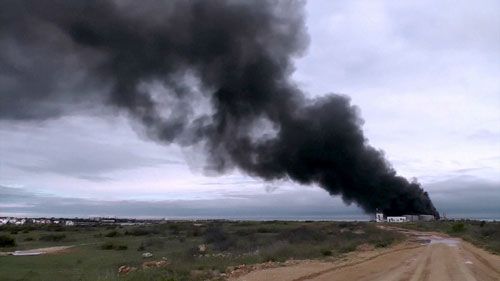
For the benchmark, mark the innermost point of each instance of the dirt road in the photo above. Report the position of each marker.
(425, 256)
(37, 252)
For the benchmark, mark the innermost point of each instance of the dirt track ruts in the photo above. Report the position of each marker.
(425, 256)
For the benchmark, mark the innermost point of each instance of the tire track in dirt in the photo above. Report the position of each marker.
(334, 268)
(424, 257)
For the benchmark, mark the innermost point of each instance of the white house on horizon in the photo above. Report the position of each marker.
(396, 219)
(379, 217)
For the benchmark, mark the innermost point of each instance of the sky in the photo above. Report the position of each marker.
(423, 74)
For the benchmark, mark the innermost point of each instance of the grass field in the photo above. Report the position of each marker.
(100, 251)
(480, 233)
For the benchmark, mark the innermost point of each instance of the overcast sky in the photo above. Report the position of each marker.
(424, 74)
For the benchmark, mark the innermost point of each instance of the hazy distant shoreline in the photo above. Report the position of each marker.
(479, 217)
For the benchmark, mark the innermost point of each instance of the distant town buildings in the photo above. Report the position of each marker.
(15, 221)
(77, 221)
(24, 221)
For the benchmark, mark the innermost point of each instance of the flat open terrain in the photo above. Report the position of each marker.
(182, 250)
(424, 256)
(251, 251)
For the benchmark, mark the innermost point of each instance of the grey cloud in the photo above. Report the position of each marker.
(72, 148)
(466, 194)
(458, 197)
(272, 206)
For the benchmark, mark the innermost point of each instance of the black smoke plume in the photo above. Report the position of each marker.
(209, 73)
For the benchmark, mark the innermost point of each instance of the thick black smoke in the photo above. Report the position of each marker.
(210, 73)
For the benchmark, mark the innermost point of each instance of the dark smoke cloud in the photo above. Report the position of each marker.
(159, 60)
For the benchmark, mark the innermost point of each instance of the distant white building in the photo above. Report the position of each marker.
(379, 217)
(411, 217)
(426, 217)
(69, 223)
(396, 219)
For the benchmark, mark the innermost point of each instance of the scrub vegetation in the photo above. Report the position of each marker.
(185, 250)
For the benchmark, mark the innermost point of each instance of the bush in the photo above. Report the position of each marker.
(303, 234)
(108, 246)
(216, 236)
(347, 248)
(7, 241)
(121, 247)
(382, 243)
(278, 251)
(140, 232)
(326, 252)
(214, 233)
(458, 227)
(265, 230)
(488, 232)
(112, 246)
(174, 229)
(112, 233)
(52, 237)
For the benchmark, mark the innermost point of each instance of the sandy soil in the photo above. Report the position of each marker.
(39, 251)
(424, 256)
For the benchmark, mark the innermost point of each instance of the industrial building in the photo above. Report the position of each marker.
(379, 217)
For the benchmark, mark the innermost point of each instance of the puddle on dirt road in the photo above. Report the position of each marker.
(438, 240)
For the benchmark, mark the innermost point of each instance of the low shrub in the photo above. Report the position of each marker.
(174, 229)
(347, 248)
(458, 227)
(112, 233)
(219, 239)
(302, 234)
(140, 232)
(382, 243)
(108, 246)
(7, 241)
(113, 246)
(121, 247)
(265, 230)
(326, 252)
(52, 237)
